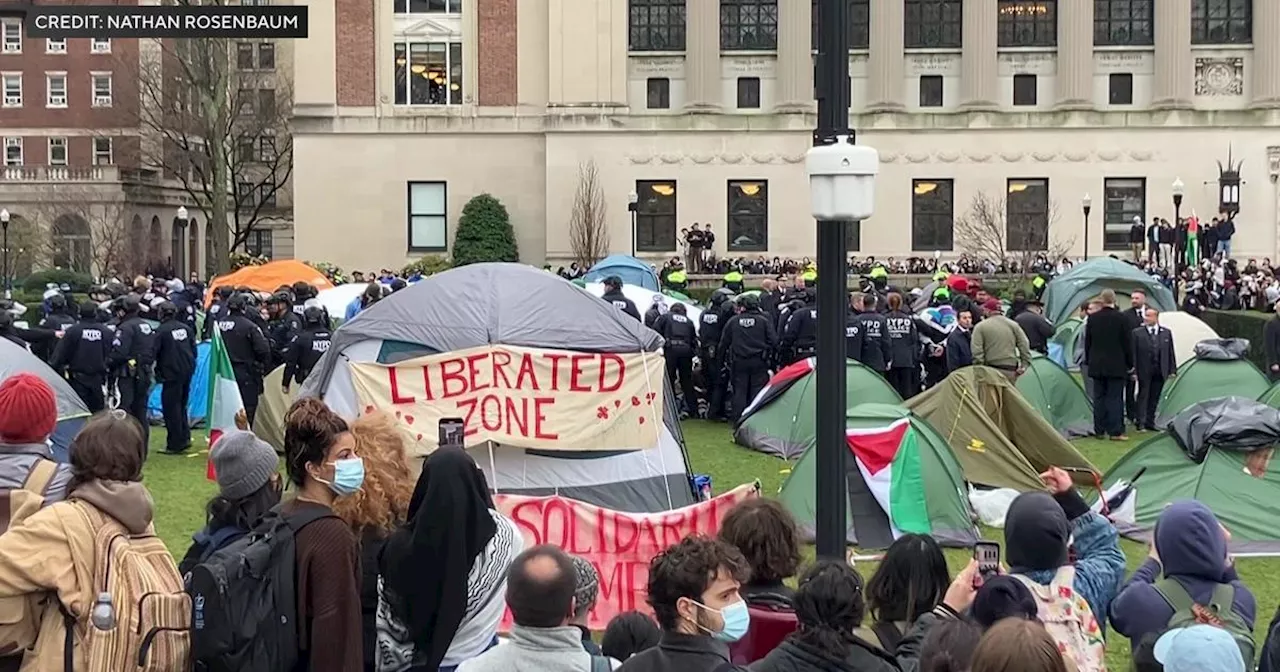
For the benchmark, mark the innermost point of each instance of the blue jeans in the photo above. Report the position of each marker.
(1224, 248)
(1108, 406)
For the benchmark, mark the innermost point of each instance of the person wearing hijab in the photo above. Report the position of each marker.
(443, 574)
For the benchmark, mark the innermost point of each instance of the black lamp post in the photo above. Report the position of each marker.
(8, 281)
(180, 222)
(1086, 204)
(633, 206)
(1178, 188)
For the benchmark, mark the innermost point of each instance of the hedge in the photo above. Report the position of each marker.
(1246, 324)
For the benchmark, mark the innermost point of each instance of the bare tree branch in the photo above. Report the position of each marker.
(66, 214)
(588, 231)
(986, 232)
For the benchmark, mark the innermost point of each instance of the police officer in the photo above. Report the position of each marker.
(132, 356)
(749, 340)
(800, 334)
(82, 354)
(248, 350)
(302, 291)
(681, 343)
(311, 342)
(873, 333)
(57, 319)
(904, 349)
(184, 299)
(175, 359)
(216, 311)
(710, 327)
(282, 325)
(613, 294)
(733, 280)
(677, 279)
(656, 310)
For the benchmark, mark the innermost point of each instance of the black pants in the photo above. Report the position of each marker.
(1149, 390)
(133, 400)
(90, 392)
(1131, 409)
(680, 371)
(713, 372)
(173, 404)
(904, 381)
(1108, 406)
(748, 379)
(250, 388)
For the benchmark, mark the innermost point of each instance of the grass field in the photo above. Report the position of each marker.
(180, 490)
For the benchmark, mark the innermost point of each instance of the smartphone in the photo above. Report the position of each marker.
(987, 554)
(453, 433)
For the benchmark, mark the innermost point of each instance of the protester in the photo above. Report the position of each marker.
(767, 536)
(949, 647)
(585, 593)
(541, 584)
(443, 573)
(693, 589)
(1017, 645)
(1199, 648)
(1188, 559)
(1002, 597)
(249, 485)
(321, 463)
(910, 581)
(957, 600)
(1035, 326)
(54, 552)
(629, 633)
(377, 508)
(1108, 348)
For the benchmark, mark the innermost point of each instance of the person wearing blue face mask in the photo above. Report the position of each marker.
(322, 465)
(693, 589)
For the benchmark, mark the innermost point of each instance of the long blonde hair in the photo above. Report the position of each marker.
(383, 500)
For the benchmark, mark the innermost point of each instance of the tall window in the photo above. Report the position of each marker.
(56, 89)
(428, 73)
(1027, 215)
(1027, 23)
(853, 236)
(11, 36)
(932, 215)
(656, 216)
(13, 151)
(102, 152)
(259, 243)
(427, 6)
(71, 243)
(656, 25)
(748, 215)
(1125, 198)
(428, 222)
(101, 89)
(748, 25)
(267, 56)
(100, 45)
(859, 24)
(658, 93)
(57, 151)
(1221, 21)
(55, 45)
(1123, 22)
(933, 24)
(12, 84)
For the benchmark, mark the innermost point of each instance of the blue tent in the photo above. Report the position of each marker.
(198, 401)
(631, 270)
(71, 410)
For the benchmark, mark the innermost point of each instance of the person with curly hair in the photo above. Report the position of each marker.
(769, 539)
(693, 589)
(374, 511)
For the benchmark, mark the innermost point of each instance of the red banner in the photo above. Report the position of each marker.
(619, 545)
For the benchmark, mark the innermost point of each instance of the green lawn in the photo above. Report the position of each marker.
(180, 490)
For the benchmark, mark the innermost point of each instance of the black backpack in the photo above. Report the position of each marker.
(244, 598)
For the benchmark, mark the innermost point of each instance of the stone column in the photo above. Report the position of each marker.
(1075, 55)
(1171, 88)
(795, 56)
(886, 65)
(978, 71)
(1266, 54)
(703, 89)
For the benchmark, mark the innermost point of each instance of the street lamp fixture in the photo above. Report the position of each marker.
(180, 222)
(1178, 189)
(633, 206)
(1086, 205)
(8, 281)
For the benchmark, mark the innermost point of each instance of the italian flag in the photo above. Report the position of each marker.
(889, 459)
(224, 396)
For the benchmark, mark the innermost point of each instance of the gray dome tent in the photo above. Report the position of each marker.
(516, 305)
(72, 411)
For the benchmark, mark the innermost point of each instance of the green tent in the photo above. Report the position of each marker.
(678, 296)
(1271, 396)
(1057, 396)
(902, 478)
(1065, 342)
(782, 419)
(996, 434)
(1066, 292)
(1200, 379)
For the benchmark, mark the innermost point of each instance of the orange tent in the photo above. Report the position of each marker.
(267, 277)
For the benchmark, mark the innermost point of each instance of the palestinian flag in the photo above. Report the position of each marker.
(779, 383)
(224, 396)
(890, 461)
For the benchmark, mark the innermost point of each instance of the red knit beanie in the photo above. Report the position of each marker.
(28, 410)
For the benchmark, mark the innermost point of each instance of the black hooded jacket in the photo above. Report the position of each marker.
(795, 656)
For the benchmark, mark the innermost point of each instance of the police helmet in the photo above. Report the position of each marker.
(236, 303)
(721, 295)
(129, 303)
(280, 297)
(225, 292)
(313, 315)
(678, 308)
(749, 301)
(166, 310)
(57, 303)
(115, 288)
(302, 290)
(88, 310)
(613, 282)
(64, 287)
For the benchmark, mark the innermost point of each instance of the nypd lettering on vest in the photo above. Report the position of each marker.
(747, 322)
(179, 334)
(319, 346)
(899, 326)
(94, 335)
(226, 325)
(710, 318)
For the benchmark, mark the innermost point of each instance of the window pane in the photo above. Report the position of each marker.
(402, 74)
(748, 25)
(1028, 23)
(1027, 215)
(455, 73)
(656, 25)
(427, 232)
(656, 216)
(932, 212)
(1123, 22)
(748, 216)
(932, 24)
(1124, 199)
(427, 198)
(1221, 21)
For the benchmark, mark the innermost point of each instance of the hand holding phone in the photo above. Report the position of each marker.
(987, 555)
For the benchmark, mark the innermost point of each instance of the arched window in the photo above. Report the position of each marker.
(136, 258)
(22, 248)
(72, 244)
(193, 247)
(153, 242)
(209, 257)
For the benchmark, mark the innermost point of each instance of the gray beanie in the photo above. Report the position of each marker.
(242, 463)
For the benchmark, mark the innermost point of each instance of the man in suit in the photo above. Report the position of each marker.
(1108, 345)
(1153, 363)
(1135, 318)
(959, 351)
